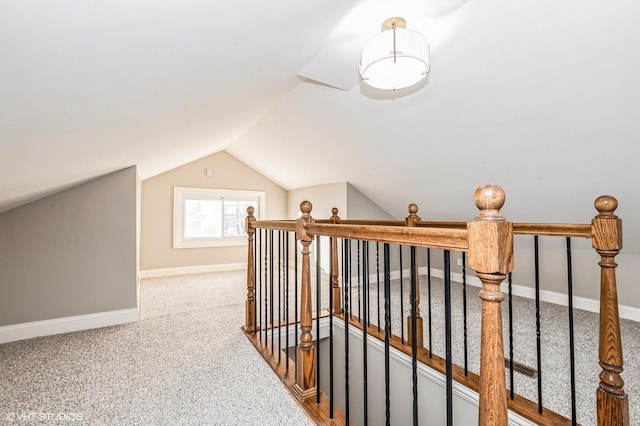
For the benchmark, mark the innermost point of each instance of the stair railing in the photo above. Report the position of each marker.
(488, 243)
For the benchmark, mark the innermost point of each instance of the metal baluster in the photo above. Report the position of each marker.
(365, 322)
(447, 333)
(429, 297)
(349, 276)
(318, 288)
(538, 336)
(464, 311)
(511, 373)
(347, 315)
(414, 336)
(331, 309)
(378, 280)
(279, 297)
(271, 287)
(255, 280)
(286, 291)
(266, 283)
(401, 300)
(259, 264)
(359, 284)
(387, 333)
(572, 347)
(296, 303)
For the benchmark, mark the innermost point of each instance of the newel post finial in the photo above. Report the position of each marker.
(413, 215)
(305, 372)
(612, 401)
(489, 199)
(491, 256)
(334, 215)
(305, 208)
(606, 205)
(250, 305)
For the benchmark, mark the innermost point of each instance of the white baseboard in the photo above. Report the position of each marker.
(591, 305)
(185, 270)
(11, 333)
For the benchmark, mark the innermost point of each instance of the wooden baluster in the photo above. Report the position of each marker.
(491, 256)
(411, 220)
(337, 303)
(612, 402)
(305, 373)
(250, 305)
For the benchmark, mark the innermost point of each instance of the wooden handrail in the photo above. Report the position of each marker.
(276, 225)
(445, 239)
(440, 224)
(363, 222)
(547, 229)
(553, 229)
(577, 230)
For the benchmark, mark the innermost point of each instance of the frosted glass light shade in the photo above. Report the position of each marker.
(379, 68)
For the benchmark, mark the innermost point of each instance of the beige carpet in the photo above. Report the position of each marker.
(185, 362)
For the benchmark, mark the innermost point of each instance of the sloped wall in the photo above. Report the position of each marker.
(323, 198)
(72, 253)
(351, 203)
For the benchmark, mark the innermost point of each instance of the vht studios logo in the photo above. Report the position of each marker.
(41, 417)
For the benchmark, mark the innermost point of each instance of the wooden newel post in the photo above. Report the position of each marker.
(335, 286)
(250, 306)
(411, 220)
(305, 372)
(491, 256)
(612, 402)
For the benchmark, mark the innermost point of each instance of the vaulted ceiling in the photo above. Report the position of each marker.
(539, 97)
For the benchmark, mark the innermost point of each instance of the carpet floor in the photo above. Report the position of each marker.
(185, 362)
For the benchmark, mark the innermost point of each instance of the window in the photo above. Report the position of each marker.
(205, 217)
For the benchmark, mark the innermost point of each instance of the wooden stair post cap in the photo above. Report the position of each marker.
(413, 209)
(305, 207)
(606, 205)
(489, 199)
(250, 210)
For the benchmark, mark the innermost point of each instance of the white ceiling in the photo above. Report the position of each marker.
(537, 96)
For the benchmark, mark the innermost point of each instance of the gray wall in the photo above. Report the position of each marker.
(359, 206)
(72, 253)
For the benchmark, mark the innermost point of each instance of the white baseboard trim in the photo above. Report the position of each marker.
(626, 312)
(591, 305)
(11, 333)
(185, 270)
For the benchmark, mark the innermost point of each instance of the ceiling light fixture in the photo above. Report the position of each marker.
(395, 58)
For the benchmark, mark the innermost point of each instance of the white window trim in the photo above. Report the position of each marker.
(179, 195)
